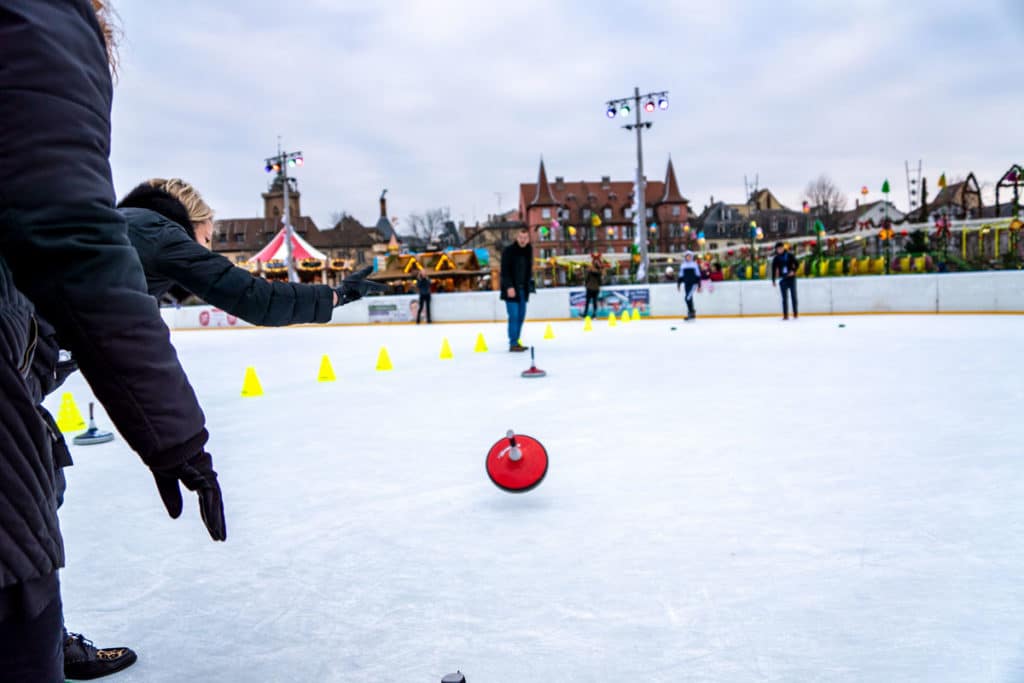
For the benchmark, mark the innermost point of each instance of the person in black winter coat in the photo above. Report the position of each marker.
(171, 228)
(689, 276)
(592, 283)
(65, 248)
(168, 222)
(423, 287)
(784, 267)
(516, 284)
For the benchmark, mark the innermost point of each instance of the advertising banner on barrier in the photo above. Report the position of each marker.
(214, 317)
(611, 300)
(393, 309)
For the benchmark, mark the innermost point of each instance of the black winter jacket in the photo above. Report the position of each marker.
(169, 256)
(517, 270)
(68, 250)
(784, 266)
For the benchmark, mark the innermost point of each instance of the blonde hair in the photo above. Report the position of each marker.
(198, 210)
(108, 26)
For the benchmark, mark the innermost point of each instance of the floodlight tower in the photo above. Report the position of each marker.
(279, 164)
(622, 107)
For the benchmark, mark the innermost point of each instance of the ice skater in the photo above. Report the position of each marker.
(516, 285)
(595, 274)
(423, 287)
(689, 277)
(784, 267)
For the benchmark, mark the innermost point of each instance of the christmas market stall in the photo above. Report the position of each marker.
(459, 270)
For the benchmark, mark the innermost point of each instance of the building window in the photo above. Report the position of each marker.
(545, 213)
(222, 237)
(627, 212)
(630, 231)
(239, 236)
(676, 210)
(586, 214)
(607, 213)
(650, 212)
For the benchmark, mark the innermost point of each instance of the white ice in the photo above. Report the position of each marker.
(732, 500)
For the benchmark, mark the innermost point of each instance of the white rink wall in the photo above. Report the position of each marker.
(984, 292)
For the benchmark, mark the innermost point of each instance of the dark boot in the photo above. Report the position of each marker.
(84, 662)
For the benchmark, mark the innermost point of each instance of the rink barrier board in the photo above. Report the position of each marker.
(989, 293)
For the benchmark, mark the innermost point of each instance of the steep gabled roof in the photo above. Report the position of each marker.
(544, 196)
(672, 193)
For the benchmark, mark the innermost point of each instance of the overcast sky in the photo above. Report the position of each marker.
(448, 102)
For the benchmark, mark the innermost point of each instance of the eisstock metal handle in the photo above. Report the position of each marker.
(515, 453)
(90, 410)
(532, 363)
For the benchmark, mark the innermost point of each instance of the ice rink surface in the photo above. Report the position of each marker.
(733, 500)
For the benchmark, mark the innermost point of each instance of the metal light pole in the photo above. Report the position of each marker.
(621, 107)
(280, 164)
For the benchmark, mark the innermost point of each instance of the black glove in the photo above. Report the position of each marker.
(356, 286)
(197, 475)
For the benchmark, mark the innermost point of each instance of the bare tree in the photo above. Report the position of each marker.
(823, 194)
(434, 228)
(336, 217)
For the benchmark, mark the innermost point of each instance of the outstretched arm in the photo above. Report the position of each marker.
(216, 280)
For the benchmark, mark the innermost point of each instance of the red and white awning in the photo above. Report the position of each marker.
(277, 250)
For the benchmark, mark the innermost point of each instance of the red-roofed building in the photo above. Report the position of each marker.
(568, 207)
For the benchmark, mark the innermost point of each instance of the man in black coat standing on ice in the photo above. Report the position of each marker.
(64, 251)
(516, 284)
(784, 267)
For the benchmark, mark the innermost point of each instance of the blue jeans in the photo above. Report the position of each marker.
(516, 309)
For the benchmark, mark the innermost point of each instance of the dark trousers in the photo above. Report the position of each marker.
(788, 284)
(591, 298)
(33, 649)
(516, 309)
(690, 290)
(424, 306)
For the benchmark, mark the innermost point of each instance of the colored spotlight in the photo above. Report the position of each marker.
(662, 103)
(611, 112)
(649, 106)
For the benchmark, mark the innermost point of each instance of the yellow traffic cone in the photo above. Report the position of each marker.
(384, 360)
(636, 314)
(251, 384)
(481, 344)
(588, 324)
(446, 350)
(625, 315)
(69, 419)
(549, 333)
(611, 319)
(326, 371)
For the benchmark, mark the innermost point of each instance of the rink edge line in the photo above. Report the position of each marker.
(562, 320)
